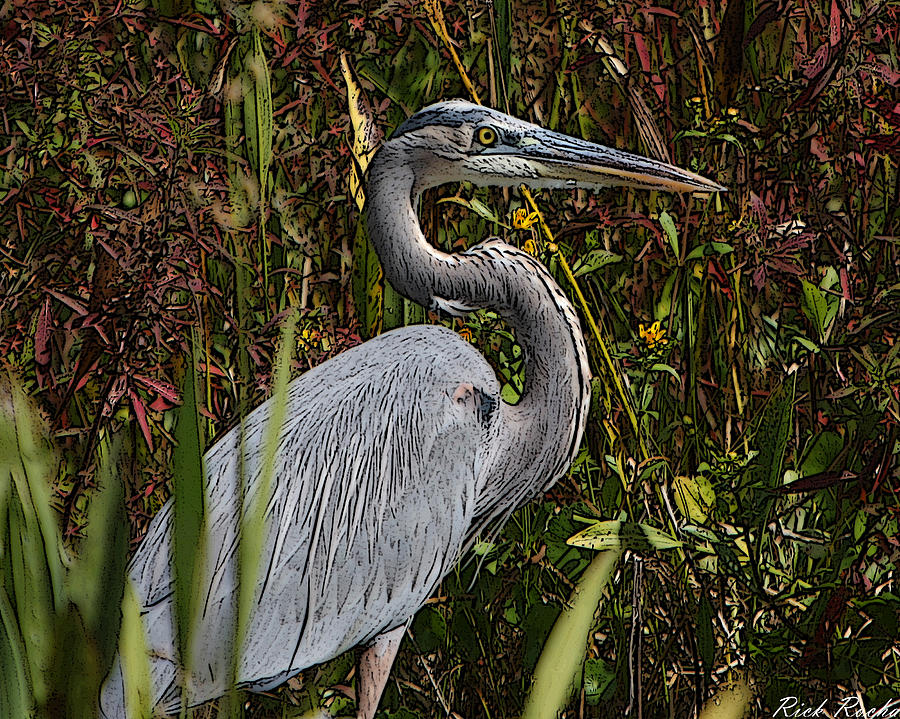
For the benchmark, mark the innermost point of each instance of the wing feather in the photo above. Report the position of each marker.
(372, 499)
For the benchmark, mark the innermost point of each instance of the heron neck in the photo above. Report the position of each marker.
(538, 437)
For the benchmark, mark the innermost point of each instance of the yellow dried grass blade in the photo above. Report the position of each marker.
(436, 16)
(366, 274)
(366, 135)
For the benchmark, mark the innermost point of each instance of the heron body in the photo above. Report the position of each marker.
(394, 455)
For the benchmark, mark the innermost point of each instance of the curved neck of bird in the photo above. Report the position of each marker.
(538, 437)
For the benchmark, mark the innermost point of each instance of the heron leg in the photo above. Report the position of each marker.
(374, 667)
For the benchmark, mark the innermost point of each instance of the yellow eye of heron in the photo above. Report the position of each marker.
(487, 136)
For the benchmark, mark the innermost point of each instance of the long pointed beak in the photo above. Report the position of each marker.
(563, 161)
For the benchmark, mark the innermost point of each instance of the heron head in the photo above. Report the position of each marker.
(456, 140)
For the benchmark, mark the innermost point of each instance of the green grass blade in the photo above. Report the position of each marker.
(258, 130)
(394, 311)
(557, 671)
(134, 657)
(87, 629)
(258, 120)
(366, 279)
(34, 559)
(96, 580)
(189, 492)
(15, 697)
(254, 508)
(772, 436)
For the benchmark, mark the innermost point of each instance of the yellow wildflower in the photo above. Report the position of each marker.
(466, 334)
(522, 219)
(530, 247)
(309, 338)
(656, 335)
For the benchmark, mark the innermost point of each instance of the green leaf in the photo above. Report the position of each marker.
(27, 131)
(598, 675)
(694, 497)
(668, 225)
(664, 304)
(33, 558)
(600, 536)
(658, 539)
(829, 279)
(706, 642)
(814, 307)
(15, 697)
(594, 260)
(366, 284)
(859, 525)
(708, 249)
(821, 453)
(258, 119)
(429, 630)
(728, 137)
(393, 308)
(806, 343)
(254, 505)
(616, 534)
(96, 580)
(703, 533)
(662, 367)
(773, 431)
(477, 206)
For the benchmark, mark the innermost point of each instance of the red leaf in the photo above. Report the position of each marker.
(324, 73)
(42, 352)
(160, 404)
(642, 51)
(665, 12)
(817, 84)
(717, 272)
(883, 143)
(835, 24)
(820, 480)
(69, 302)
(845, 285)
(212, 369)
(163, 389)
(140, 414)
(83, 380)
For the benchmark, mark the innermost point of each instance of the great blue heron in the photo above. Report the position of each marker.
(394, 455)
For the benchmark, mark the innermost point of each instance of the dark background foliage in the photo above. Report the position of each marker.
(140, 201)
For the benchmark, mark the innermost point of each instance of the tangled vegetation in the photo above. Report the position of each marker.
(173, 169)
